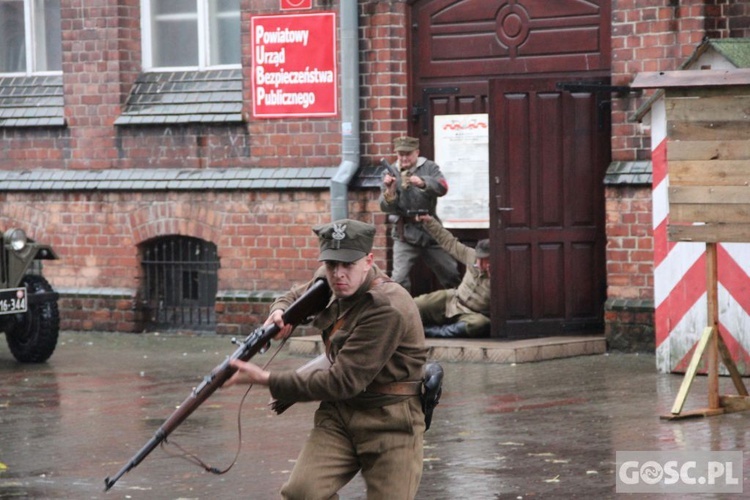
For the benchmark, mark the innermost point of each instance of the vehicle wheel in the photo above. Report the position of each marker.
(32, 336)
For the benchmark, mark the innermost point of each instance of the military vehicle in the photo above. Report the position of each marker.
(29, 316)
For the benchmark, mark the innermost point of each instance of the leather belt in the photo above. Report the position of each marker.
(409, 388)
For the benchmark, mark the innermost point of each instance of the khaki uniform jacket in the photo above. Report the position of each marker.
(381, 340)
(413, 198)
(473, 293)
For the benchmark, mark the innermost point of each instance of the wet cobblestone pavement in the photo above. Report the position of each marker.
(537, 430)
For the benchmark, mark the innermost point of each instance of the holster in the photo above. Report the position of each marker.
(432, 388)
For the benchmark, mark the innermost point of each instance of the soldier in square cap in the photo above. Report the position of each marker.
(412, 187)
(345, 240)
(405, 144)
(370, 418)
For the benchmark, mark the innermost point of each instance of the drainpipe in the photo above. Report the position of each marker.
(349, 110)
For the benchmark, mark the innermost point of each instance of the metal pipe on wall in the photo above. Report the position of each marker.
(350, 142)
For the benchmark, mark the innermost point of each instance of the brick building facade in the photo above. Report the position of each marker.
(93, 167)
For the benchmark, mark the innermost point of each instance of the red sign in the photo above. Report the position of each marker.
(296, 4)
(294, 65)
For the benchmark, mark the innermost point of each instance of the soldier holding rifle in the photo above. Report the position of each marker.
(411, 187)
(370, 418)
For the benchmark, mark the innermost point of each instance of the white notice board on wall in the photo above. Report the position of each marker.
(463, 154)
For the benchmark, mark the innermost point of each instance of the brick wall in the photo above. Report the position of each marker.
(655, 37)
(109, 311)
(264, 239)
(629, 310)
(384, 40)
(739, 18)
(102, 58)
(646, 36)
(91, 81)
(629, 243)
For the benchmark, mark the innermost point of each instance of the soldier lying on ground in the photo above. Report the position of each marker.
(462, 311)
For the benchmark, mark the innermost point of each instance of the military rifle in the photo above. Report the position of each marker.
(312, 301)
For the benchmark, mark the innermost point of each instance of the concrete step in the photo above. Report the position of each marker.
(486, 350)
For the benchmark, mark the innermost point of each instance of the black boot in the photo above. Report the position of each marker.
(446, 331)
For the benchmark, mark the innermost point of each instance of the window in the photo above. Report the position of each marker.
(30, 36)
(190, 33)
(180, 280)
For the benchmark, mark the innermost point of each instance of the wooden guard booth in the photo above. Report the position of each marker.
(706, 119)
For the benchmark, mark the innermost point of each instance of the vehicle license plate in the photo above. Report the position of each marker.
(13, 300)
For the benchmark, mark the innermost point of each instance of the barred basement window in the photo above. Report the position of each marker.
(180, 283)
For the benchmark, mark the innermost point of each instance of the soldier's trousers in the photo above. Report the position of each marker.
(384, 442)
(432, 310)
(442, 264)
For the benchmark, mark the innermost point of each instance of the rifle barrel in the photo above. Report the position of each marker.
(310, 302)
(137, 458)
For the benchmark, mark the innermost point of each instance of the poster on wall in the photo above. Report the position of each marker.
(294, 65)
(462, 151)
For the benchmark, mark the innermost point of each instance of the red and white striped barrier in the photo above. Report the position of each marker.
(680, 278)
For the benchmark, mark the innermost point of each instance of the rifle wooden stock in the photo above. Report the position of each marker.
(312, 301)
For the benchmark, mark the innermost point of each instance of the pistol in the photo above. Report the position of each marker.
(391, 169)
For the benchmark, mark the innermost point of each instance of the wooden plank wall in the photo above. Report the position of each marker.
(708, 159)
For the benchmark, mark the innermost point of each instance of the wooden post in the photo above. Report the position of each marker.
(700, 348)
(712, 292)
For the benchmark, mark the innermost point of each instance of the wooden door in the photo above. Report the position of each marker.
(490, 56)
(548, 155)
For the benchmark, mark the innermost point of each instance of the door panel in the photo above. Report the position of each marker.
(548, 157)
(488, 38)
(463, 98)
(459, 98)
